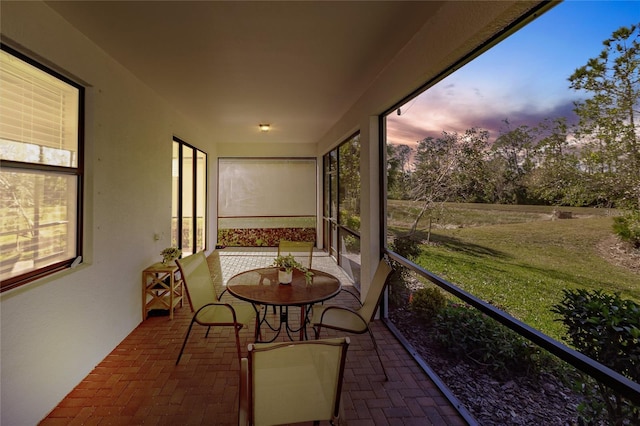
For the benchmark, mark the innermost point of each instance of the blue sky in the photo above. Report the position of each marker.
(523, 79)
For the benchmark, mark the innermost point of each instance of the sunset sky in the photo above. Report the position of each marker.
(523, 79)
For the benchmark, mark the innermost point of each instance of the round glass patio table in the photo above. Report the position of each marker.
(261, 287)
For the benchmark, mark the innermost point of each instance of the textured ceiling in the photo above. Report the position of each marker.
(232, 65)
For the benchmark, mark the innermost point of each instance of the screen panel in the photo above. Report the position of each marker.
(254, 187)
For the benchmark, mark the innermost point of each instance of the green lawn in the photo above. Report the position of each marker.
(520, 260)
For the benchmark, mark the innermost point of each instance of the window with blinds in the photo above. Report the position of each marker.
(41, 169)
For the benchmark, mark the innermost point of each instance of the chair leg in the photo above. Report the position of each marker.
(221, 294)
(257, 333)
(243, 399)
(207, 333)
(185, 340)
(375, 346)
(237, 329)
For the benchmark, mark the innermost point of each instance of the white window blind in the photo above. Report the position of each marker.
(266, 187)
(38, 115)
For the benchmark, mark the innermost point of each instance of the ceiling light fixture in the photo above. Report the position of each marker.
(264, 127)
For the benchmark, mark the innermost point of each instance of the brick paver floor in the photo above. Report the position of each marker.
(139, 383)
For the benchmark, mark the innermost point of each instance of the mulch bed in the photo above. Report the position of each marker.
(517, 399)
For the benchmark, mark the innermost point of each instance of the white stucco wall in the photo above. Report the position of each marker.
(54, 331)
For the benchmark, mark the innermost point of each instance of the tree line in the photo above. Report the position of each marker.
(594, 162)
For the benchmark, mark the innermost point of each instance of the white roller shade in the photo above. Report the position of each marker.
(266, 187)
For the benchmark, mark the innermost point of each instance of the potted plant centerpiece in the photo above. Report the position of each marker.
(286, 265)
(169, 254)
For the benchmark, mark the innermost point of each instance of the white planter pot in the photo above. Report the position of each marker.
(285, 277)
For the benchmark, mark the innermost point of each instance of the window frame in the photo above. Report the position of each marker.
(51, 170)
(332, 226)
(178, 198)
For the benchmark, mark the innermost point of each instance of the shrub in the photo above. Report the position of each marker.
(468, 333)
(604, 327)
(350, 220)
(398, 287)
(627, 227)
(427, 302)
(398, 283)
(352, 244)
(406, 246)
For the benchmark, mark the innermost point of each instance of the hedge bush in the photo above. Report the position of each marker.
(399, 292)
(606, 328)
(627, 227)
(468, 333)
(427, 303)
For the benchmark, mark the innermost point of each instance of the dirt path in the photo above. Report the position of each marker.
(619, 253)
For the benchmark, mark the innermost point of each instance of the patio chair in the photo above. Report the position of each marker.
(302, 251)
(292, 382)
(355, 321)
(203, 300)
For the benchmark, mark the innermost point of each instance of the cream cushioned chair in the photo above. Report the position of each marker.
(302, 251)
(355, 321)
(209, 312)
(292, 382)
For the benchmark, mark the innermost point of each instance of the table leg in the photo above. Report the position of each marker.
(264, 320)
(284, 318)
(303, 322)
(284, 323)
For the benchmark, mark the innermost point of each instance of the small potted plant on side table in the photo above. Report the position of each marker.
(286, 265)
(169, 254)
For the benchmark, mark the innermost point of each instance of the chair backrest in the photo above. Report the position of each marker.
(295, 382)
(302, 251)
(374, 295)
(197, 280)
